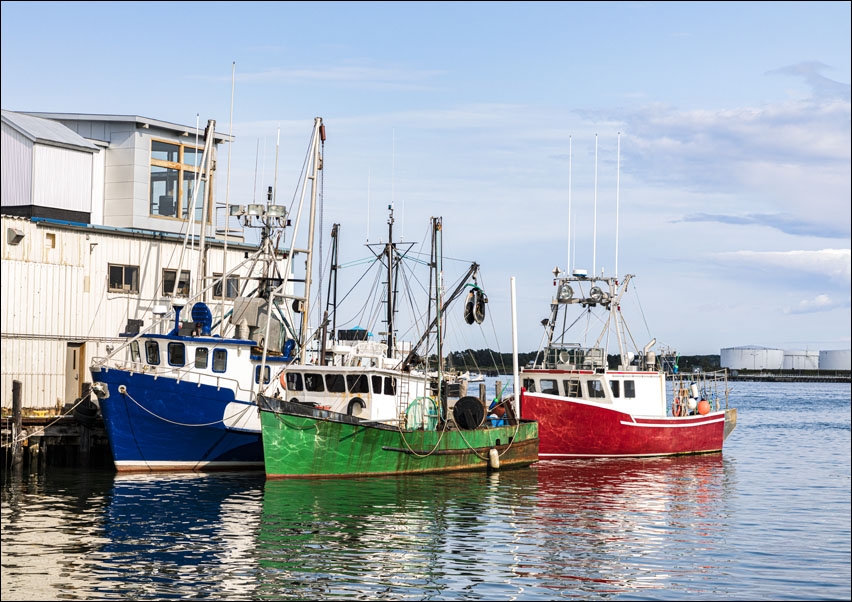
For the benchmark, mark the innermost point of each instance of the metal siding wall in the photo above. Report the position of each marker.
(51, 297)
(63, 178)
(17, 168)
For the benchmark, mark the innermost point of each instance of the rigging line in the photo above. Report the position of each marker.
(222, 420)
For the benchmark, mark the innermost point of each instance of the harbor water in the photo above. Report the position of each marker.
(767, 519)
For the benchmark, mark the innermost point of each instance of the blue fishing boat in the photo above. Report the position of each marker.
(179, 395)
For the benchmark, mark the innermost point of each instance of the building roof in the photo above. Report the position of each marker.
(45, 131)
(142, 122)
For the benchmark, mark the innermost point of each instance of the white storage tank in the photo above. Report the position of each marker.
(801, 360)
(840, 359)
(751, 358)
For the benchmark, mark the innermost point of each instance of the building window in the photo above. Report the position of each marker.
(123, 278)
(169, 283)
(232, 290)
(175, 174)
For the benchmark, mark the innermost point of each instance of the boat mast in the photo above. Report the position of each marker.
(437, 257)
(389, 251)
(319, 140)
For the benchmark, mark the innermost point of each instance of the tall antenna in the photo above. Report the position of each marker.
(275, 181)
(569, 209)
(369, 174)
(617, 189)
(595, 219)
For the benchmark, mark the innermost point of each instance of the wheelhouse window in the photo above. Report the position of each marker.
(123, 278)
(573, 388)
(177, 354)
(201, 357)
(313, 382)
(176, 171)
(152, 353)
(294, 381)
(220, 360)
(358, 383)
(232, 287)
(390, 385)
(266, 373)
(335, 383)
(529, 385)
(377, 383)
(596, 390)
(169, 283)
(549, 386)
(615, 387)
(134, 352)
(629, 389)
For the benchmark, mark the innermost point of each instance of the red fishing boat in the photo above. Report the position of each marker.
(637, 407)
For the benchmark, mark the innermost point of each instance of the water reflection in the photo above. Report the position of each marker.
(630, 524)
(179, 532)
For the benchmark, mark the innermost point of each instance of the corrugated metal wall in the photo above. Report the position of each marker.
(17, 168)
(55, 295)
(62, 178)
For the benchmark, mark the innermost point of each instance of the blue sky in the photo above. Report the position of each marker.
(732, 181)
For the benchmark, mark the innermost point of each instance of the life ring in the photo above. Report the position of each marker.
(356, 405)
(282, 380)
(677, 407)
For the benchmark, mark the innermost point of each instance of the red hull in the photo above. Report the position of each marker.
(574, 429)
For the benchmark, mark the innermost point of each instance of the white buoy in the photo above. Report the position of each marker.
(493, 459)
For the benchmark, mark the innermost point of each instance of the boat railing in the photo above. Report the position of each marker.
(573, 357)
(186, 374)
(711, 386)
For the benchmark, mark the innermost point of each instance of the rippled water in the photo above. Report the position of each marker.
(768, 519)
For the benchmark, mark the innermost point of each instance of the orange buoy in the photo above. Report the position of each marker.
(703, 407)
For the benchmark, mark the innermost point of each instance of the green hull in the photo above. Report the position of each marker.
(301, 441)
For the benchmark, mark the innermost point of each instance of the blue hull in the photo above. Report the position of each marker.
(161, 424)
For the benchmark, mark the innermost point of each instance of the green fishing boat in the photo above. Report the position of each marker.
(368, 408)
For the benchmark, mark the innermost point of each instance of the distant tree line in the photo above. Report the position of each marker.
(492, 362)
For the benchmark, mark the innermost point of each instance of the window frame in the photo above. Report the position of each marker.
(178, 177)
(131, 288)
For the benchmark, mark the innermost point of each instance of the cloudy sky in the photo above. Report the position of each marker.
(703, 147)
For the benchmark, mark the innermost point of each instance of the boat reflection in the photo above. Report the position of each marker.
(616, 525)
(191, 528)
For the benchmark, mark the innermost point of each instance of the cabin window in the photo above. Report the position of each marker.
(201, 354)
(313, 382)
(123, 278)
(529, 385)
(169, 283)
(377, 384)
(152, 353)
(177, 354)
(265, 374)
(390, 385)
(220, 360)
(357, 383)
(335, 383)
(232, 288)
(596, 390)
(573, 388)
(134, 352)
(294, 381)
(629, 389)
(614, 386)
(549, 386)
(176, 171)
